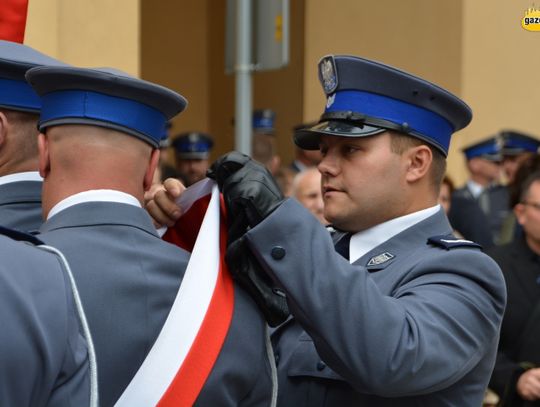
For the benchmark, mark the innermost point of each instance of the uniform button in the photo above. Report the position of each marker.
(278, 253)
(320, 365)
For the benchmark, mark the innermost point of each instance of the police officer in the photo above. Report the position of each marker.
(100, 133)
(479, 207)
(304, 159)
(403, 314)
(192, 151)
(264, 139)
(44, 360)
(20, 183)
(516, 148)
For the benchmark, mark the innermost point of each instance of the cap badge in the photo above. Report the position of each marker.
(380, 259)
(330, 100)
(499, 142)
(328, 74)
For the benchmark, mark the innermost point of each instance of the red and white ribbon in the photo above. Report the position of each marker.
(177, 366)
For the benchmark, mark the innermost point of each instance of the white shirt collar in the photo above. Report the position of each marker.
(20, 176)
(475, 188)
(95, 195)
(366, 240)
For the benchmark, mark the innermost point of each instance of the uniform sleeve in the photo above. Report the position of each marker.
(435, 327)
(72, 387)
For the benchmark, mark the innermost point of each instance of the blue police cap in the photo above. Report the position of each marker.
(488, 149)
(263, 120)
(193, 145)
(365, 98)
(165, 141)
(104, 97)
(15, 60)
(515, 143)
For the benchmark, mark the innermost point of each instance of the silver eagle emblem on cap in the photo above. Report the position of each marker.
(380, 259)
(328, 74)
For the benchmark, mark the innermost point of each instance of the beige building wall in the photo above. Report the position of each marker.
(476, 49)
(420, 36)
(87, 33)
(501, 66)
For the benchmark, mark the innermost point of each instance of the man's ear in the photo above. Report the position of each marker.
(152, 165)
(418, 161)
(519, 211)
(3, 129)
(44, 158)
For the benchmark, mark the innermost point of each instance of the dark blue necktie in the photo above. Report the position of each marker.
(342, 246)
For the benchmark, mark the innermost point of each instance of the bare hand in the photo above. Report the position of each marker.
(160, 202)
(528, 385)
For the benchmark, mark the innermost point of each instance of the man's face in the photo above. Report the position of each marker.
(363, 181)
(487, 169)
(191, 170)
(528, 214)
(308, 193)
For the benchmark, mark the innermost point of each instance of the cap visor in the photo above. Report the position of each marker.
(309, 138)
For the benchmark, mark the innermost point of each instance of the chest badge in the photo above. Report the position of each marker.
(380, 259)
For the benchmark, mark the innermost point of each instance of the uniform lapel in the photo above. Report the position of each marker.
(399, 246)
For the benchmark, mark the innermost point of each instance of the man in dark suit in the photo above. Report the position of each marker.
(516, 377)
(20, 183)
(100, 133)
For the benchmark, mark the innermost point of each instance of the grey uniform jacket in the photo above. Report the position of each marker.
(43, 355)
(128, 279)
(20, 205)
(409, 324)
(492, 202)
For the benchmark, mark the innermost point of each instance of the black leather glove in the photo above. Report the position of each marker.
(248, 272)
(249, 190)
(250, 194)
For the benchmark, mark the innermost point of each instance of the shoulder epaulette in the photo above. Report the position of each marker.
(449, 242)
(20, 236)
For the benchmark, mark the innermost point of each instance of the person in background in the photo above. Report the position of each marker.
(20, 183)
(304, 159)
(445, 193)
(306, 188)
(482, 191)
(164, 170)
(284, 178)
(263, 147)
(192, 151)
(517, 150)
(516, 376)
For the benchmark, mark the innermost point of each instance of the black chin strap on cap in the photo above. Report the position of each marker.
(362, 119)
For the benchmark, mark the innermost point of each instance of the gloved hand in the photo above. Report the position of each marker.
(250, 194)
(248, 272)
(249, 190)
